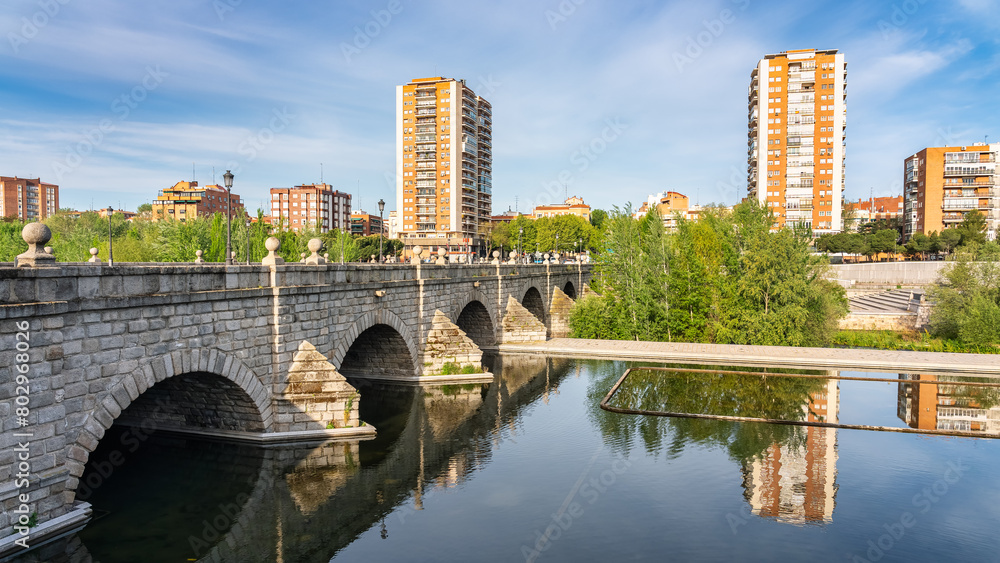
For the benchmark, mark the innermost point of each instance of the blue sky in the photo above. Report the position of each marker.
(115, 100)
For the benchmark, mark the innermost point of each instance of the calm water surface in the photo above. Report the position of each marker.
(528, 468)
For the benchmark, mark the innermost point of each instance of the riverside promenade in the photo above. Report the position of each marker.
(779, 356)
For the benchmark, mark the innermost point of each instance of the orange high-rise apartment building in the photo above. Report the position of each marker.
(444, 165)
(941, 185)
(28, 200)
(797, 138)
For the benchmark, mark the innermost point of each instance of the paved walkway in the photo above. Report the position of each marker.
(785, 356)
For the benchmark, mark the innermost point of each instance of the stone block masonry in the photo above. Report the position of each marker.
(234, 349)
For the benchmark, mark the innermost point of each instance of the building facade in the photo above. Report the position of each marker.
(941, 185)
(797, 137)
(572, 206)
(668, 205)
(444, 164)
(311, 205)
(187, 200)
(366, 224)
(27, 199)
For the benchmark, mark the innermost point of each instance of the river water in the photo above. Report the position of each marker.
(529, 468)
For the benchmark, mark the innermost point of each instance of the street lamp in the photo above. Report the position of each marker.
(557, 243)
(520, 231)
(111, 259)
(248, 242)
(381, 227)
(228, 177)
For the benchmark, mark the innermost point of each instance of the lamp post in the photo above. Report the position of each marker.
(557, 243)
(381, 227)
(228, 177)
(248, 242)
(520, 231)
(111, 254)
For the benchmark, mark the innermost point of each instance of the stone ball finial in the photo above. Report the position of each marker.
(36, 233)
(93, 256)
(441, 251)
(198, 259)
(272, 259)
(496, 254)
(314, 258)
(417, 250)
(233, 255)
(513, 254)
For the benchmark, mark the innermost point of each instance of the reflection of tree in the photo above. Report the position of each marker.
(717, 393)
(973, 395)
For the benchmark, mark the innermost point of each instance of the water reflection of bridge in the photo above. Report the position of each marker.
(307, 503)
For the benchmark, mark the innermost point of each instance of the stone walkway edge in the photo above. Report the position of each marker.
(778, 356)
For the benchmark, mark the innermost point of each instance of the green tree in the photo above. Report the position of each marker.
(949, 239)
(972, 229)
(597, 218)
(919, 244)
(967, 301)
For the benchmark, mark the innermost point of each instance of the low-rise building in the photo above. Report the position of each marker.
(188, 200)
(875, 209)
(572, 206)
(311, 205)
(366, 224)
(669, 205)
(27, 199)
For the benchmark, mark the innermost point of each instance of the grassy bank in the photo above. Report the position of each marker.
(917, 341)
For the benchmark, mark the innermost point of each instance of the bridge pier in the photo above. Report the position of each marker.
(240, 352)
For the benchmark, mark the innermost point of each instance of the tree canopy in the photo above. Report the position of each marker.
(725, 278)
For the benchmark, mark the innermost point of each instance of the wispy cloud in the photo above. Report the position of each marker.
(558, 71)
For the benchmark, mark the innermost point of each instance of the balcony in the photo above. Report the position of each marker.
(427, 137)
(426, 112)
(969, 171)
(426, 156)
(962, 203)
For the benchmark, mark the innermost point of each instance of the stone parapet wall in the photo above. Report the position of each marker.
(890, 321)
(102, 337)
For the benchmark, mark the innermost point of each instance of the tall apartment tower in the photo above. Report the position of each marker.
(444, 164)
(941, 185)
(797, 138)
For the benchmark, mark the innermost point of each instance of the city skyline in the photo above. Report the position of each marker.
(112, 102)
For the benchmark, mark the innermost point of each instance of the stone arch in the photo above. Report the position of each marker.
(569, 289)
(534, 302)
(471, 297)
(128, 388)
(381, 317)
(477, 323)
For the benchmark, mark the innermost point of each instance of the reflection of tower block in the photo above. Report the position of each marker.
(796, 483)
(318, 394)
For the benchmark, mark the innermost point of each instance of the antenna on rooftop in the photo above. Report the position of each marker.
(193, 177)
(213, 175)
(320, 172)
(515, 204)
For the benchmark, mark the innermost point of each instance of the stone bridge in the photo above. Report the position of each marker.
(255, 353)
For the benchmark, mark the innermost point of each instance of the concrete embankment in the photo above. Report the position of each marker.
(783, 356)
